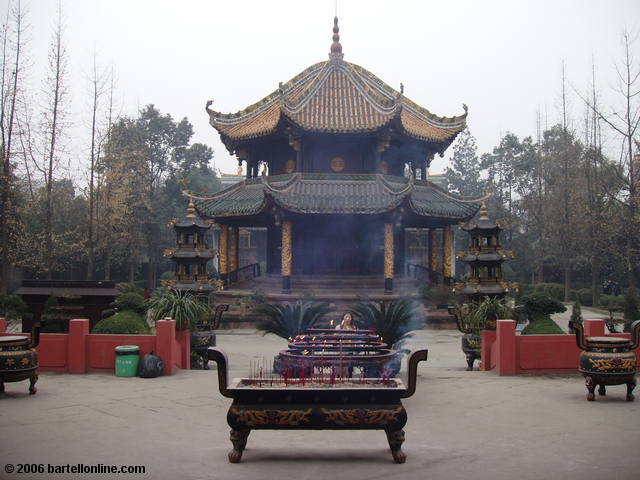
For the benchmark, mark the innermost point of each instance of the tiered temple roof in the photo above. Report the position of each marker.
(336, 97)
(318, 193)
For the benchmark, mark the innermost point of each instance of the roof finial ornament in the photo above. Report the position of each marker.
(336, 48)
(401, 88)
(191, 209)
(484, 211)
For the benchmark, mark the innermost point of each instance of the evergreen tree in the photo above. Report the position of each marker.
(463, 176)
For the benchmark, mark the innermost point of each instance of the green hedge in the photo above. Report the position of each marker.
(122, 323)
(543, 326)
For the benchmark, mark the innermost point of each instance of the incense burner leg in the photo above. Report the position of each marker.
(396, 438)
(591, 387)
(239, 441)
(32, 383)
(470, 360)
(602, 390)
(630, 386)
(1, 386)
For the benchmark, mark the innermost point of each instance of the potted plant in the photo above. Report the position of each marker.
(473, 318)
(288, 320)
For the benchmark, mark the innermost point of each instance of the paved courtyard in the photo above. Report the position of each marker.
(462, 425)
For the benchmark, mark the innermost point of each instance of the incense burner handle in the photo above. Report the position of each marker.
(455, 311)
(635, 334)
(220, 358)
(217, 316)
(579, 329)
(412, 370)
(35, 334)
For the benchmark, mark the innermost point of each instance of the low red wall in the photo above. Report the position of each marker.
(80, 352)
(509, 354)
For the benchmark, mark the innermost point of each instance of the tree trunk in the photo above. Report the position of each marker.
(132, 270)
(595, 277)
(567, 283)
(107, 265)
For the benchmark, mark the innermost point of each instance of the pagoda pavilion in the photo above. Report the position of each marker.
(343, 160)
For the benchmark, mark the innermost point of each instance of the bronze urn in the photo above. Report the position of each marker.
(18, 359)
(608, 360)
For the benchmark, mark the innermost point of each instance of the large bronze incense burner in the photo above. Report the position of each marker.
(18, 359)
(607, 360)
(316, 403)
(346, 351)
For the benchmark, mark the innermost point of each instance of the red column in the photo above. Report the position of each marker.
(506, 347)
(184, 339)
(3, 325)
(488, 339)
(594, 328)
(165, 337)
(77, 345)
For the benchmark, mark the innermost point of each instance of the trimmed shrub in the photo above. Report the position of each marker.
(611, 301)
(540, 305)
(122, 323)
(131, 301)
(12, 307)
(585, 296)
(56, 320)
(543, 326)
(631, 306)
(576, 313)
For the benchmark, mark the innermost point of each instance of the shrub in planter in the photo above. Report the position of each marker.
(122, 323)
(442, 295)
(539, 306)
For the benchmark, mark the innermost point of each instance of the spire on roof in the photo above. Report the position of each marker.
(191, 209)
(484, 211)
(336, 48)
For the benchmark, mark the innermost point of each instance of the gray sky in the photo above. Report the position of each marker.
(502, 58)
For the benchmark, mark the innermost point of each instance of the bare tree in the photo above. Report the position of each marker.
(624, 124)
(54, 122)
(11, 74)
(98, 82)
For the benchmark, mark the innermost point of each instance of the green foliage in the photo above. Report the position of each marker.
(442, 295)
(392, 321)
(543, 326)
(287, 320)
(585, 297)
(539, 305)
(464, 174)
(12, 307)
(129, 287)
(576, 312)
(554, 290)
(122, 323)
(631, 306)
(425, 292)
(487, 309)
(56, 321)
(611, 301)
(185, 308)
(168, 275)
(131, 301)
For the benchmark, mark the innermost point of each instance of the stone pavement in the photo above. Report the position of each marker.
(462, 425)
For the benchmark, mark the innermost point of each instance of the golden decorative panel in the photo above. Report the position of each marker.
(433, 250)
(233, 249)
(224, 237)
(286, 248)
(388, 250)
(446, 250)
(361, 416)
(271, 417)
